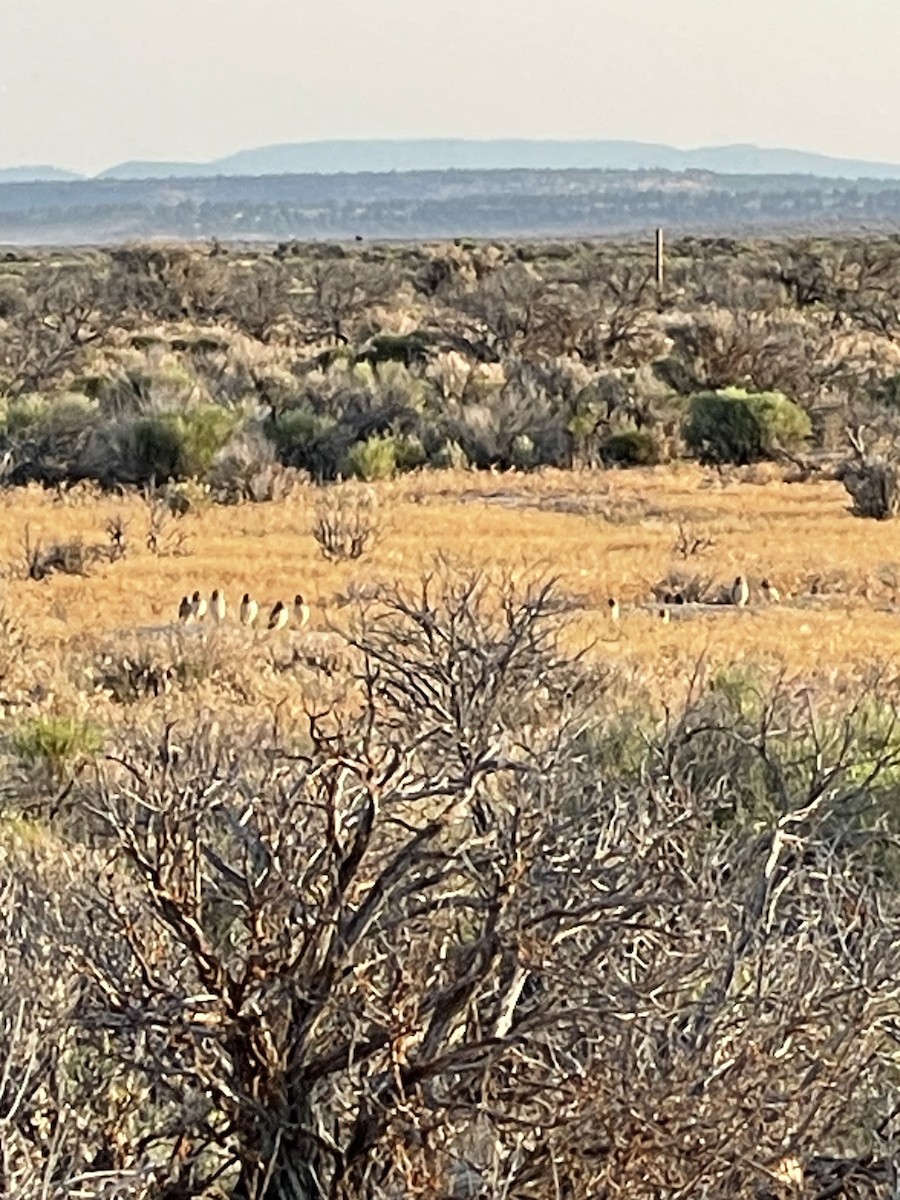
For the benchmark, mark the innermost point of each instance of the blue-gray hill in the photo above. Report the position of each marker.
(36, 174)
(435, 154)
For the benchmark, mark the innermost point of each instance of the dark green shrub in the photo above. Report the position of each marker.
(159, 448)
(735, 426)
(887, 392)
(674, 373)
(147, 341)
(182, 445)
(296, 428)
(157, 451)
(309, 441)
(522, 452)
(631, 448)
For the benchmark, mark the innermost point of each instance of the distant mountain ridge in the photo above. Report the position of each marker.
(443, 154)
(37, 174)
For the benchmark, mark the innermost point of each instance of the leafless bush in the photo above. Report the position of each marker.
(347, 524)
(834, 582)
(49, 334)
(336, 295)
(43, 1142)
(872, 479)
(166, 536)
(691, 544)
(74, 557)
(318, 655)
(454, 944)
(13, 643)
(248, 470)
(129, 669)
(129, 678)
(116, 529)
(692, 589)
(82, 493)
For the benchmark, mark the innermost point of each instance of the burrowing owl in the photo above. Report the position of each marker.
(740, 592)
(249, 610)
(279, 616)
(301, 611)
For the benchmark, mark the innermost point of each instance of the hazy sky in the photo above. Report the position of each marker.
(87, 83)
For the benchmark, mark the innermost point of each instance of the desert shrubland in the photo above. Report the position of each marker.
(145, 365)
(468, 875)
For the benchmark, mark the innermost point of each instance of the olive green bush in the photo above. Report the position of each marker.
(375, 458)
(736, 426)
(56, 743)
(158, 448)
(202, 431)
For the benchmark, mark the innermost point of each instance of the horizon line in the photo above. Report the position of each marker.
(452, 140)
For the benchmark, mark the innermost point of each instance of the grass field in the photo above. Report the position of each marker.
(602, 534)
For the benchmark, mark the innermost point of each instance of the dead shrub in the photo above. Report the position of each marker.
(320, 654)
(662, 950)
(130, 669)
(347, 524)
(874, 488)
(13, 642)
(691, 544)
(248, 470)
(116, 529)
(231, 483)
(832, 582)
(691, 589)
(165, 536)
(133, 677)
(74, 557)
(872, 479)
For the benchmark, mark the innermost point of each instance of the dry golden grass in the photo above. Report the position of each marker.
(601, 533)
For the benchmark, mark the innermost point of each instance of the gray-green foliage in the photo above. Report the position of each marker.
(295, 429)
(37, 417)
(737, 426)
(409, 452)
(202, 431)
(58, 437)
(45, 435)
(450, 454)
